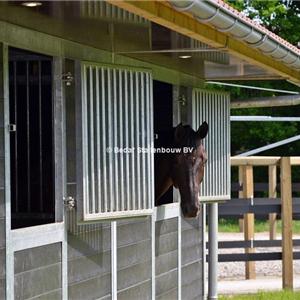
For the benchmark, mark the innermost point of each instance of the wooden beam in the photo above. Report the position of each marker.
(249, 219)
(286, 217)
(162, 13)
(261, 160)
(266, 102)
(255, 160)
(272, 195)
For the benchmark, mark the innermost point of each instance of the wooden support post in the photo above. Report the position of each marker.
(272, 194)
(286, 217)
(241, 195)
(249, 219)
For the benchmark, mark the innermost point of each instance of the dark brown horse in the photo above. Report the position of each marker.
(183, 169)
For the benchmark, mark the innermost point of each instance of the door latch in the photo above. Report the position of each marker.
(69, 202)
(12, 127)
(67, 78)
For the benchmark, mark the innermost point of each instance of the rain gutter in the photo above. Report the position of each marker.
(226, 19)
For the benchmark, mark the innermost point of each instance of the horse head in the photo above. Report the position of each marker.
(187, 169)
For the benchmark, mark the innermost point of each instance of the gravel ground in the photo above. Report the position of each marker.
(236, 270)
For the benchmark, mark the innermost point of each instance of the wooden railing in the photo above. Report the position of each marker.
(245, 165)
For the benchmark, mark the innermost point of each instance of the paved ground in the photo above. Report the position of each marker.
(231, 275)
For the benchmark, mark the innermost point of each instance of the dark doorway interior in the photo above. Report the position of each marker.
(163, 123)
(31, 152)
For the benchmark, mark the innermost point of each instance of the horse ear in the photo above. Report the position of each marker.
(203, 130)
(179, 132)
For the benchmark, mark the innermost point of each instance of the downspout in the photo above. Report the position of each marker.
(235, 24)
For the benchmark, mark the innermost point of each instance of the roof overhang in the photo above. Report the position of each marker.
(162, 13)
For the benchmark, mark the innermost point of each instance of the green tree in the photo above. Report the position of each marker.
(282, 18)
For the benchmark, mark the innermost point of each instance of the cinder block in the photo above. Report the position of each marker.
(134, 274)
(37, 282)
(91, 289)
(166, 282)
(37, 257)
(142, 291)
(134, 254)
(84, 268)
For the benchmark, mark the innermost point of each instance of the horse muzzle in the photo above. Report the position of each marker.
(190, 211)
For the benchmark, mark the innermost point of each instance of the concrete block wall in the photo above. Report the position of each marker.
(166, 259)
(134, 259)
(38, 273)
(191, 249)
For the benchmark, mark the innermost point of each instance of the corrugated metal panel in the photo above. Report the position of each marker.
(104, 10)
(214, 108)
(116, 115)
(213, 56)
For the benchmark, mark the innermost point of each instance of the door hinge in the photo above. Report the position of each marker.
(67, 78)
(69, 202)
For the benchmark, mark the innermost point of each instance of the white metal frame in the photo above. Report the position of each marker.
(132, 76)
(35, 236)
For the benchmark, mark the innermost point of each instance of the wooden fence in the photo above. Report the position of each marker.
(245, 166)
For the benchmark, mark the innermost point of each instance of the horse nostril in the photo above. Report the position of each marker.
(190, 212)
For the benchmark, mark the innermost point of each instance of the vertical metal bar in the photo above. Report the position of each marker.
(151, 140)
(153, 257)
(143, 136)
(98, 135)
(137, 142)
(126, 144)
(115, 142)
(61, 169)
(9, 267)
(208, 111)
(179, 257)
(91, 143)
(111, 132)
(114, 269)
(228, 173)
(104, 144)
(16, 136)
(85, 143)
(121, 144)
(203, 250)
(213, 252)
(40, 136)
(28, 136)
(133, 195)
(218, 116)
(59, 139)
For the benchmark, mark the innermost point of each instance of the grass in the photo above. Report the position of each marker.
(282, 295)
(232, 225)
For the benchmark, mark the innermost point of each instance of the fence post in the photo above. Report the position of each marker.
(286, 217)
(241, 195)
(249, 219)
(272, 195)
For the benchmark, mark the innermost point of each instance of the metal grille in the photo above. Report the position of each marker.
(104, 10)
(214, 108)
(116, 114)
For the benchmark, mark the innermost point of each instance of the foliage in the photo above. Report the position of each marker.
(283, 18)
(282, 295)
(232, 226)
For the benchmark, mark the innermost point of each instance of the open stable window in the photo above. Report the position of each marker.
(31, 138)
(115, 137)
